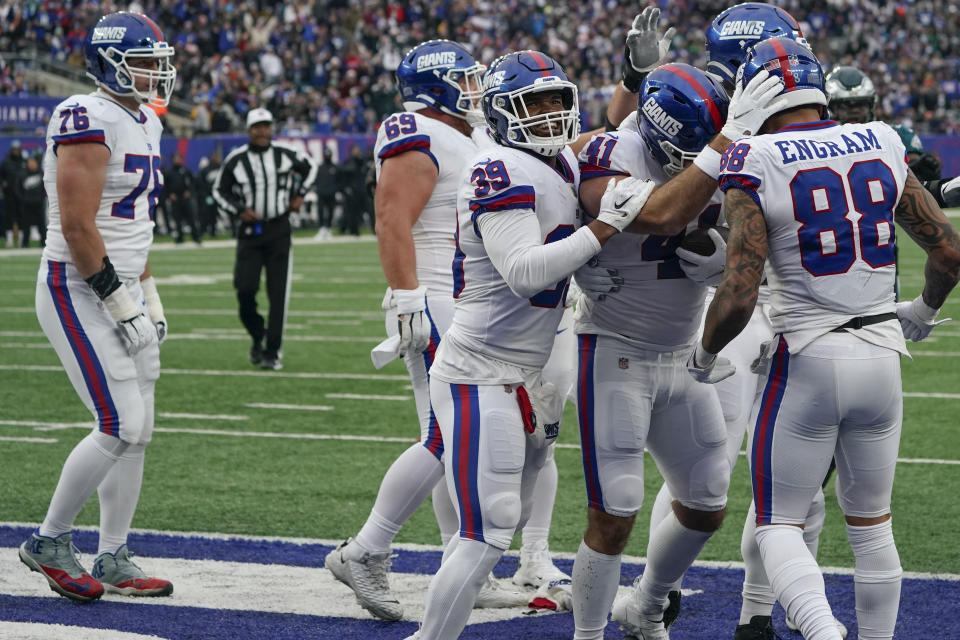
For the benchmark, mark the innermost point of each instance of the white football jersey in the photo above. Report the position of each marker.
(657, 307)
(495, 333)
(133, 183)
(828, 193)
(434, 229)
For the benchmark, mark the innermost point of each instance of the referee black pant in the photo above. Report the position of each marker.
(259, 245)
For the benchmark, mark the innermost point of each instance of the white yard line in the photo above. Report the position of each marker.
(31, 440)
(202, 416)
(220, 373)
(56, 426)
(360, 396)
(295, 407)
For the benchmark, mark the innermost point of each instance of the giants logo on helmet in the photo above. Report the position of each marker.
(736, 29)
(438, 59)
(108, 34)
(493, 79)
(660, 118)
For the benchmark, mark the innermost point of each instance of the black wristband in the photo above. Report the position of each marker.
(105, 281)
(631, 78)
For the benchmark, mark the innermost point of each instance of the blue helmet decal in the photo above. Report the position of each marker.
(738, 28)
(681, 109)
(117, 40)
(794, 63)
(513, 81)
(443, 75)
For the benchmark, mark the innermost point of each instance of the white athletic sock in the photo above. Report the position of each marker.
(404, 487)
(663, 507)
(84, 469)
(445, 512)
(670, 552)
(537, 528)
(453, 591)
(758, 598)
(877, 577)
(796, 580)
(118, 495)
(596, 577)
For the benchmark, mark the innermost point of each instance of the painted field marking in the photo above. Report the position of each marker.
(295, 407)
(32, 440)
(55, 426)
(360, 396)
(256, 374)
(202, 416)
(943, 396)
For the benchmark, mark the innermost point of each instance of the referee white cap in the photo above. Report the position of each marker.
(255, 116)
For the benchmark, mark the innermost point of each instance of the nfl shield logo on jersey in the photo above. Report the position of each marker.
(624, 363)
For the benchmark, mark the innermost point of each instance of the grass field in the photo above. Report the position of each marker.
(220, 461)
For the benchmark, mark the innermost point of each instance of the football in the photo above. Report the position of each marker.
(698, 241)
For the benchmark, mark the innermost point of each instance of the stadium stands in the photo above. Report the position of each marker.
(326, 65)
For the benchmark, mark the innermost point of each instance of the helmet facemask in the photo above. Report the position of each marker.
(160, 80)
(469, 83)
(563, 125)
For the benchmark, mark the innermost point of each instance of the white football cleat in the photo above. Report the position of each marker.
(493, 595)
(365, 573)
(840, 627)
(536, 568)
(637, 625)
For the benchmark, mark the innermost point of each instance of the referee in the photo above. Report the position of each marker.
(262, 182)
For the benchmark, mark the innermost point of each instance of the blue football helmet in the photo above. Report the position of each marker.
(791, 61)
(508, 81)
(441, 74)
(738, 28)
(681, 109)
(121, 37)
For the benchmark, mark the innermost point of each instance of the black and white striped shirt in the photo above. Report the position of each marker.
(263, 180)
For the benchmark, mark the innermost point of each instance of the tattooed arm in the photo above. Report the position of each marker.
(921, 217)
(736, 296)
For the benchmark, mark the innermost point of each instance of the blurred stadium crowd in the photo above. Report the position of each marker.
(327, 65)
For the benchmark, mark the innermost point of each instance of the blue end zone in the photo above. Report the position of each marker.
(928, 608)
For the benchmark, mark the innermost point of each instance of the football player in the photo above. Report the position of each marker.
(96, 301)
(517, 243)
(421, 153)
(838, 338)
(631, 396)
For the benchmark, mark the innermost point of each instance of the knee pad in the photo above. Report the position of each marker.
(502, 513)
(708, 482)
(622, 495)
(110, 445)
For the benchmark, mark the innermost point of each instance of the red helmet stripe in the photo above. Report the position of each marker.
(540, 61)
(152, 25)
(701, 91)
(788, 80)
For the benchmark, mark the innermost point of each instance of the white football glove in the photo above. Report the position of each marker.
(622, 201)
(412, 320)
(597, 282)
(706, 270)
(917, 319)
(154, 307)
(645, 49)
(707, 367)
(752, 105)
(136, 330)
